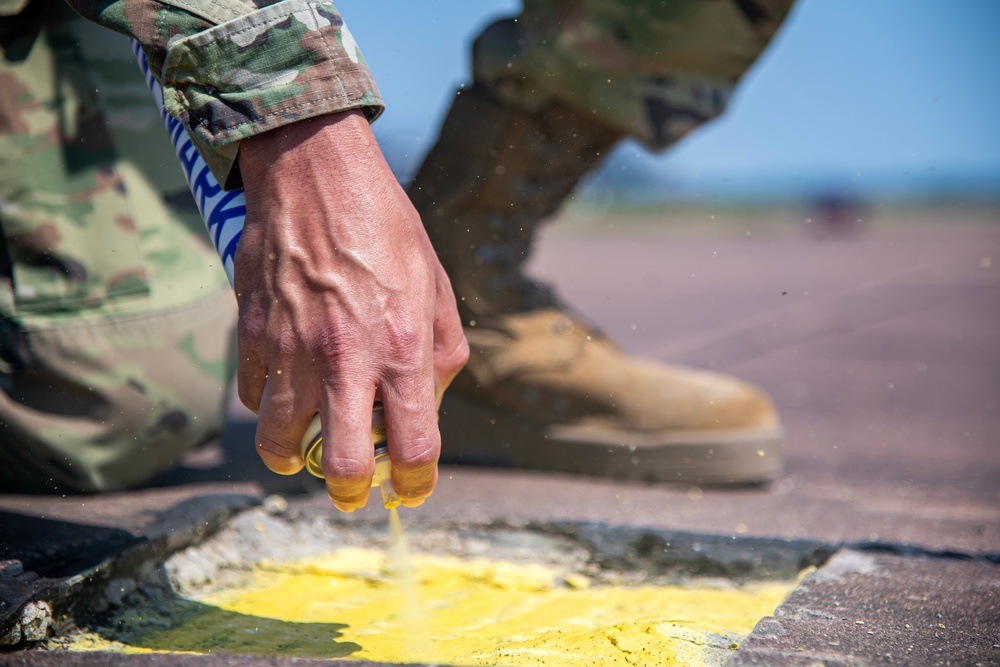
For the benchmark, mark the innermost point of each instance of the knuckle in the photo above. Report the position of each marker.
(405, 336)
(348, 475)
(251, 326)
(329, 343)
(448, 361)
(285, 343)
(460, 354)
(418, 457)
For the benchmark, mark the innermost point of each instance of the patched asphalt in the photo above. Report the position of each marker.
(880, 346)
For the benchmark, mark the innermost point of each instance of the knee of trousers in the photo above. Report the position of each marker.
(649, 70)
(105, 404)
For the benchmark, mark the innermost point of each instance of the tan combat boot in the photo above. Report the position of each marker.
(542, 389)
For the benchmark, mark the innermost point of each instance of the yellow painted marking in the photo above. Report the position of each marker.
(350, 604)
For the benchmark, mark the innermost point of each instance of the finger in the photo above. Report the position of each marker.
(414, 439)
(348, 452)
(251, 367)
(282, 420)
(451, 349)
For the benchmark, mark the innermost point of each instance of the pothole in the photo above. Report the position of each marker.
(313, 586)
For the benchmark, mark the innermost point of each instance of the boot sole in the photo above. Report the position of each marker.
(476, 434)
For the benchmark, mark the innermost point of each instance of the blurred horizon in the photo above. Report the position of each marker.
(889, 101)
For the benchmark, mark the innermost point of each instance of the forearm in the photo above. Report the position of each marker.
(230, 70)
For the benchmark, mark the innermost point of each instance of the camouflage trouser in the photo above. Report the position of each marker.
(646, 69)
(115, 321)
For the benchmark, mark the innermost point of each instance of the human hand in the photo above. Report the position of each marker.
(342, 302)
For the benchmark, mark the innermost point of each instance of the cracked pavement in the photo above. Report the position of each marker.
(881, 349)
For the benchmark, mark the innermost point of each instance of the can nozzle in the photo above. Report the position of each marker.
(383, 478)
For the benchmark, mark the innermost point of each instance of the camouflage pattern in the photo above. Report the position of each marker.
(116, 321)
(107, 403)
(554, 89)
(654, 70)
(232, 69)
(650, 70)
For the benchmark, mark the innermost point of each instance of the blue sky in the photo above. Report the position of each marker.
(875, 93)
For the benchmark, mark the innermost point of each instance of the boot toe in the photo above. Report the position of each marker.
(683, 400)
(565, 398)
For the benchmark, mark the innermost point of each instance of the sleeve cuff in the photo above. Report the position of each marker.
(288, 61)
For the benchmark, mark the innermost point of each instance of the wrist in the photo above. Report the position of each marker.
(307, 149)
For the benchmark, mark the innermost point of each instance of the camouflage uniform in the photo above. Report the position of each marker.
(645, 69)
(115, 320)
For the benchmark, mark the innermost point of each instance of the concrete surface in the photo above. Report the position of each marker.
(853, 610)
(881, 347)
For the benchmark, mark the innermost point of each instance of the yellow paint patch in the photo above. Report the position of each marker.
(461, 612)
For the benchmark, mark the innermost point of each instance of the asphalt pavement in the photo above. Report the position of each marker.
(879, 341)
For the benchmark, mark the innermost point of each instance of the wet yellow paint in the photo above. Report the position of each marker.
(350, 604)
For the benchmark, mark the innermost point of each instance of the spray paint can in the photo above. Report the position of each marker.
(311, 449)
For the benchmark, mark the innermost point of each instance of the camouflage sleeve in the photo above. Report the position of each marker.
(230, 70)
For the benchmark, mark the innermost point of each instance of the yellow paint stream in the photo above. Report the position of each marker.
(351, 604)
